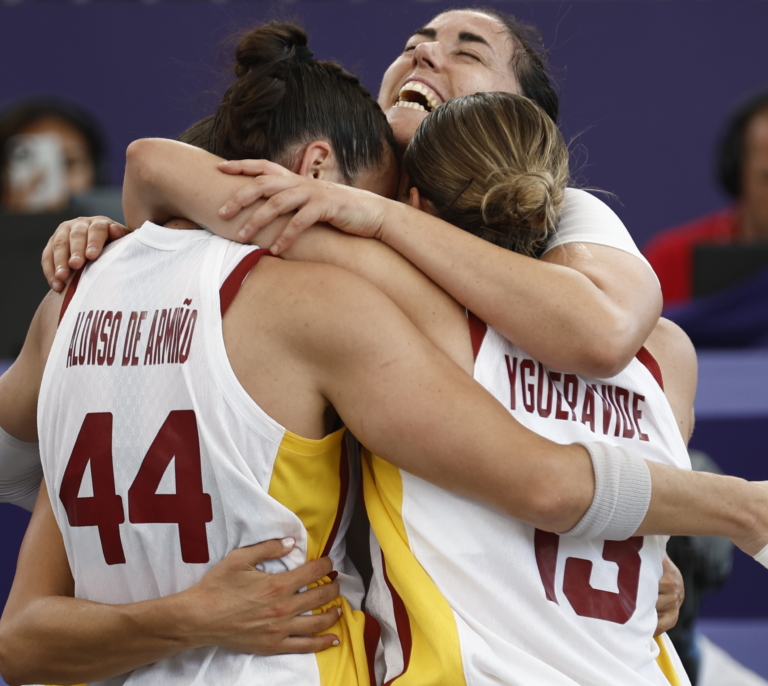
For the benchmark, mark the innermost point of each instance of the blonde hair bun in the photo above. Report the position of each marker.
(528, 202)
(495, 165)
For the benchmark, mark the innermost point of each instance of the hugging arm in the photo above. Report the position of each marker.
(412, 406)
(602, 300)
(48, 636)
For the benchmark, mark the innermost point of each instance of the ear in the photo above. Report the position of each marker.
(318, 161)
(416, 201)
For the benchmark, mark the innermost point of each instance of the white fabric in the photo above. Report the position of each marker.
(160, 269)
(20, 471)
(762, 557)
(587, 219)
(485, 564)
(622, 494)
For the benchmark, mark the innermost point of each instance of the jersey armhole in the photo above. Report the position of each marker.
(644, 356)
(231, 286)
(71, 288)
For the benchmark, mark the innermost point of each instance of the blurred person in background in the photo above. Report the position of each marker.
(743, 174)
(52, 157)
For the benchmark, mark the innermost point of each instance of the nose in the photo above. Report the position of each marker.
(426, 54)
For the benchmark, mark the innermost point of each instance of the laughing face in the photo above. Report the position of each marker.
(457, 53)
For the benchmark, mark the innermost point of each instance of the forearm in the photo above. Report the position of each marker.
(166, 179)
(534, 303)
(68, 640)
(693, 503)
(20, 471)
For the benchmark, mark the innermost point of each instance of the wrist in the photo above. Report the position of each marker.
(753, 519)
(393, 217)
(176, 621)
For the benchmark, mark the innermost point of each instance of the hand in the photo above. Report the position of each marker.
(671, 596)
(349, 209)
(249, 611)
(73, 242)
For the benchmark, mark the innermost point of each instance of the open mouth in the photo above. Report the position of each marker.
(418, 96)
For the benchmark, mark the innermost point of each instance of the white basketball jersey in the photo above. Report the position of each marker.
(158, 463)
(468, 596)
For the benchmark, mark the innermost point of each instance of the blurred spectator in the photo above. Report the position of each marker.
(743, 173)
(51, 151)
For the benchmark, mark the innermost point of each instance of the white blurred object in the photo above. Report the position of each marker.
(718, 668)
(37, 155)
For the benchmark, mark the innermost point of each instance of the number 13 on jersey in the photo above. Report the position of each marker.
(189, 508)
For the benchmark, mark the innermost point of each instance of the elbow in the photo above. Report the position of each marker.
(138, 169)
(549, 509)
(11, 671)
(611, 350)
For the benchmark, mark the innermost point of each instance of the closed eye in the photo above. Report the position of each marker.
(469, 54)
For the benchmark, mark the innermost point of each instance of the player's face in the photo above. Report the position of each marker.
(457, 53)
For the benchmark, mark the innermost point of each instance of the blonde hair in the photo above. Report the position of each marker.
(493, 164)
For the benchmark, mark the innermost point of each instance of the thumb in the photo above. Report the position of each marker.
(253, 555)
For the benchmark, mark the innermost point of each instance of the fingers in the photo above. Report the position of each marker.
(307, 574)
(307, 625)
(303, 219)
(261, 187)
(60, 251)
(116, 231)
(307, 644)
(666, 621)
(280, 203)
(253, 555)
(72, 242)
(253, 168)
(49, 267)
(314, 598)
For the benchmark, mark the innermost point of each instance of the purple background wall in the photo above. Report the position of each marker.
(645, 87)
(645, 84)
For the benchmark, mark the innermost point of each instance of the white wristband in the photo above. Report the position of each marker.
(762, 557)
(622, 494)
(20, 471)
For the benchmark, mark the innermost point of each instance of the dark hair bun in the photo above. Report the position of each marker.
(268, 46)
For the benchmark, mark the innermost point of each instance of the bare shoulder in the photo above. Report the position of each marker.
(305, 302)
(676, 356)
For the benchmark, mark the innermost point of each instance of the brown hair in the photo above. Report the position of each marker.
(283, 97)
(493, 164)
(529, 59)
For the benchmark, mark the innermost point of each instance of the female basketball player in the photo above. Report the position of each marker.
(313, 159)
(586, 306)
(533, 163)
(494, 165)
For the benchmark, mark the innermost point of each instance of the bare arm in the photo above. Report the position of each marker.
(46, 635)
(410, 405)
(603, 301)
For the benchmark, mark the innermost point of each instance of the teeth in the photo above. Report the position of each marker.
(411, 105)
(415, 86)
